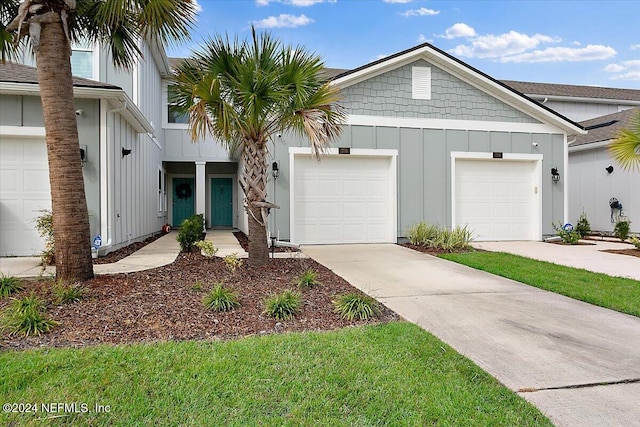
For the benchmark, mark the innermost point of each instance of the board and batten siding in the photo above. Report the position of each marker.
(591, 187)
(424, 169)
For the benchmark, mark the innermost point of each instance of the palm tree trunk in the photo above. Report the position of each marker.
(254, 182)
(69, 206)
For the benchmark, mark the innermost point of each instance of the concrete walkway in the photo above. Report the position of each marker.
(588, 257)
(537, 343)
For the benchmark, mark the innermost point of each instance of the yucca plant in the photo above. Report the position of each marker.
(221, 299)
(283, 306)
(26, 317)
(307, 278)
(353, 305)
(9, 285)
(422, 233)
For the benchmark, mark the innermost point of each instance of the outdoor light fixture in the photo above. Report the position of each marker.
(609, 169)
(555, 175)
(125, 152)
(274, 170)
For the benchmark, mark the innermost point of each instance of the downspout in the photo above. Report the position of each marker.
(566, 179)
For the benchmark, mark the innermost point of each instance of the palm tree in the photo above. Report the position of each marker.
(243, 93)
(50, 26)
(625, 149)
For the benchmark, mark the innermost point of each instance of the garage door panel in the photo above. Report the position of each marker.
(24, 192)
(496, 198)
(352, 203)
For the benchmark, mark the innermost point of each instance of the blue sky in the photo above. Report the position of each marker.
(574, 42)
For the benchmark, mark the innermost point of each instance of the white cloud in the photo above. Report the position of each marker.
(564, 54)
(283, 21)
(625, 70)
(423, 39)
(510, 43)
(298, 3)
(423, 11)
(458, 30)
(381, 56)
(576, 43)
(197, 6)
(398, 1)
(635, 46)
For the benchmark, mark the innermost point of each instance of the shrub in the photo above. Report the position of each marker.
(583, 228)
(307, 278)
(190, 232)
(197, 287)
(25, 317)
(66, 293)
(353, 305)
(9, 285)
(44, 225)
(621, 230)
(232, 262)
(207, 247)
(568, 235)
(635, 242)
(221, 299)
(432, 236)
(283, 306)
(422, 233)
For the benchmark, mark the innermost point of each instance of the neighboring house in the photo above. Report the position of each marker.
(428, 138)
(603, 112)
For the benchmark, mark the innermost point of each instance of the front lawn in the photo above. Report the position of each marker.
(387, 374)
(615, 293)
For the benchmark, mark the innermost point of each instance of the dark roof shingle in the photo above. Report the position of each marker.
(11, 72)
(611, 125)
(553, 89)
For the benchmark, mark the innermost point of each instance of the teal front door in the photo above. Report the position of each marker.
(183, 197)
(221, 202)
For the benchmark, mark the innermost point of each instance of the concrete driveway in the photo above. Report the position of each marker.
(578, 363)
(589, 257)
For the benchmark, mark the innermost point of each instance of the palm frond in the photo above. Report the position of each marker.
(625, 149)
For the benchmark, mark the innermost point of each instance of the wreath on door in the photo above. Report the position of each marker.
(183, 191)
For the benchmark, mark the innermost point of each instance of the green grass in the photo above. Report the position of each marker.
(384, 375)
(616, 293)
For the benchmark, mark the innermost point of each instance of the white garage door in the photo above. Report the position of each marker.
(498, 199)
(344, 199)
(24, 190)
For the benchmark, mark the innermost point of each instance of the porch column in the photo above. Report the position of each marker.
(201, 193)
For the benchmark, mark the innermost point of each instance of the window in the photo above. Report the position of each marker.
(174, 116)
(162, 192)
(82, 61)
(421, 82)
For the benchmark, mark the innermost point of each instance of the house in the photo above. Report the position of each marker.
(595, 178)
(428, 138)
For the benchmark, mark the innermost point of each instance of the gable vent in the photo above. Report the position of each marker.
(421, 82)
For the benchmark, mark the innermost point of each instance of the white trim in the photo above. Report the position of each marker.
(105, 173)
(333, 152)
(590, 146)
(423, 123)
(519, 157)
(22, 131)
(165, 112)
(619, 102)
(565, 181)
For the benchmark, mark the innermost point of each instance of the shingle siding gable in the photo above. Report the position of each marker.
(389, 94)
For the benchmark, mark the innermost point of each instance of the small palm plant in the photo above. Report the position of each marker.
(625, 149)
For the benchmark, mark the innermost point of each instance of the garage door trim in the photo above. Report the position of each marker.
(519, 157)
(359, 152)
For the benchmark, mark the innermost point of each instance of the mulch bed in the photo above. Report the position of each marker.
(630, 252)
(560, 242)
(435, 251)
(244, 242)
(126, 251)
(163, 304)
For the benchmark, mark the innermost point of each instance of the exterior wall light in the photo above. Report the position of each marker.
(125, 152)
(609, 169)
(555, 175)
(275, 170)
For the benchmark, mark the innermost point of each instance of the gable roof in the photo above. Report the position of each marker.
(574, 91)
(11, 72)
(465, 72)
(604, 128)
